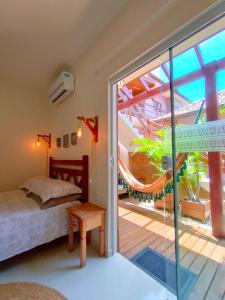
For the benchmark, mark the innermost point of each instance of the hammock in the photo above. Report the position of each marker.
(157, 186)
(160, 183)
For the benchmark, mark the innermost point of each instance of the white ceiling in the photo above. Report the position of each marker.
(39, 37)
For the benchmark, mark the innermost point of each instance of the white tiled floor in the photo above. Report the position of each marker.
(113, 278)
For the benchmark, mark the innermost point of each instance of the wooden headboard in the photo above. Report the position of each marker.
(75, 171)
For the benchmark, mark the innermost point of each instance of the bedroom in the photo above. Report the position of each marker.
(31, 58)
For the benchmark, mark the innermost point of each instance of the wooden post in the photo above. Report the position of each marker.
(214, 159)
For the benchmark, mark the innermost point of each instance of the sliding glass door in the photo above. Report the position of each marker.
(171, 145)
(197, 68)
(145, 180)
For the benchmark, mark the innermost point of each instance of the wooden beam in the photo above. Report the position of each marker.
(145, 84)
(122, 96)
(165, 71)
(139, 98)
(214, 160)
(199, 56)
(160, 89)
(127, 91)
(137, 114)
(165, 87)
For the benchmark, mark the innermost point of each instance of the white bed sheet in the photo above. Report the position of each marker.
(23, 225)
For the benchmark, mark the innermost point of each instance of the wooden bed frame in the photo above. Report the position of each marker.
(66, 170)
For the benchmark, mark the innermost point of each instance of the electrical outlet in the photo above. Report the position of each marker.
(96, 196)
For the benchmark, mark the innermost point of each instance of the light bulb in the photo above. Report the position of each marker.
(38, 144)
(79, 132)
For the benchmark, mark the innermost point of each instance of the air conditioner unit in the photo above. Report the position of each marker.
(61, 88)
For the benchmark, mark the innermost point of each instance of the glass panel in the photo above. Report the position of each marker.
(184, 63)
(200, 149)
(160, 74)
(220, 80)
(194, 90)
(213, 48)
(145, 191)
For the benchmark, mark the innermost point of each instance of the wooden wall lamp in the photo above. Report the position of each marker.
(46, 138)
(91, 124)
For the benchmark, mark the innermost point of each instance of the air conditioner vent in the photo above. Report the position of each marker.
(61, 88)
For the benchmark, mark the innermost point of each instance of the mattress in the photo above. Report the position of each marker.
(23, 225)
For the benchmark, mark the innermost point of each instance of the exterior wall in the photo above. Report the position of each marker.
(125, 136)
(141, 169)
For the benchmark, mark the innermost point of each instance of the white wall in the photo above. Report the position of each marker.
(23, 114)
(125, 136)
(131, 33)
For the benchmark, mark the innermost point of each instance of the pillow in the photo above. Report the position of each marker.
(54, 201)
(47, 188)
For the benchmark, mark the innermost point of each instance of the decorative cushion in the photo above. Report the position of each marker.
(54, 201)
(48, 188)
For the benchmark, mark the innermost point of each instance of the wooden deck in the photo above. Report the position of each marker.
(199, 251)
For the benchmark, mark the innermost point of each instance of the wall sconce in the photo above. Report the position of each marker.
(91, 124)
(46, 138)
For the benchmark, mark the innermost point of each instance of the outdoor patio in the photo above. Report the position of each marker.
(200, 252)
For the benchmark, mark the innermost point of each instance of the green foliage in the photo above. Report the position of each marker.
(196, 169)
(153, 148)
(222, 109)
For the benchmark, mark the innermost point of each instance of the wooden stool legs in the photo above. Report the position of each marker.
(70, 236)
(102, 237)
(102, 243)
(88, 237)
(83, 243)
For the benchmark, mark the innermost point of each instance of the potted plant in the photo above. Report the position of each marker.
(153, 148)
(191, 204)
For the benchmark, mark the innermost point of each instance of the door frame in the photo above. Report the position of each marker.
(196, 24)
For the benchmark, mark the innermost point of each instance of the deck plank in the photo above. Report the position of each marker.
(207, 275)
(199, 251)
(189, 258)
(216, 289)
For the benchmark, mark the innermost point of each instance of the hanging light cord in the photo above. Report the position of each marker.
(93, 164)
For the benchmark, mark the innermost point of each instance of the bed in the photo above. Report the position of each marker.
(24, 225)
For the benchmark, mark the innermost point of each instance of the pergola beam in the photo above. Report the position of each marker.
(137, 115)
(196, 48)
(145, 84)
(165, 87)
(214, 160)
